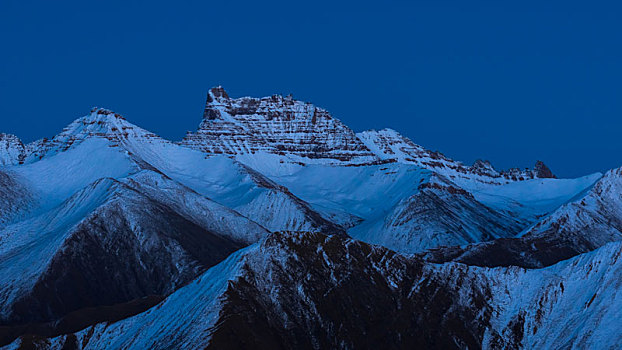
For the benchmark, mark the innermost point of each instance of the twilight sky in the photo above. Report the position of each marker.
(510, 81)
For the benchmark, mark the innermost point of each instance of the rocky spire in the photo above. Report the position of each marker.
(275, 125)
(216, 93)
(484, 167)
(542, 171)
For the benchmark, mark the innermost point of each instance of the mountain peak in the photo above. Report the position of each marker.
(216, 93)
(276, 125)
(9, 137)
(542, 171)
(100, 123)
(99, 113)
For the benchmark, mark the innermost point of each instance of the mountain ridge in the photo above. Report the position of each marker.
(276, 226)
(350, 148)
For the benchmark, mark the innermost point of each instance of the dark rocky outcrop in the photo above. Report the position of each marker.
(542, 171)
(320, 292)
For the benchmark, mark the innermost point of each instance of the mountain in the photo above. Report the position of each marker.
(410, 209)
(110, 208)
(275, 127)
(105, 245)
(310, 290)
(246, 190)
(90, 214)
(276, 226)
(438, 214)
(588, 222)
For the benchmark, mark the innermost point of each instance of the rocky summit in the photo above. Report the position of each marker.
(275, 226)
(275, 125)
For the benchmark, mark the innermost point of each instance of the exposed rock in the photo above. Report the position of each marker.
(12, 150)
(542, 171)
(485, 168)
(275, 125)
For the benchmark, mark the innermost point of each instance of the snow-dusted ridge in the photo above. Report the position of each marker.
(589, 220)
(389, 144)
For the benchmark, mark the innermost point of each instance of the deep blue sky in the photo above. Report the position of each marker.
(507, 81)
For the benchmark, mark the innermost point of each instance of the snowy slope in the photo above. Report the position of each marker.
(590, 220)
(57, 177)
(438, 214)
(596, 217)
(573, 304)
(196, 208)
(397, 206)
(238, 187)
(348, 193)
(529, 200)
(111, 235)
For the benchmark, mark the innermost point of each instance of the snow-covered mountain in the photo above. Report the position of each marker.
(438, 214)
(276, 226)
(589, 221)
(112, 224)
(104, 189)
(277, 128)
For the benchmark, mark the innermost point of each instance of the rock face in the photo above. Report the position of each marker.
(12, 149)
(484, 168)
(275, 125)
(541, 171)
